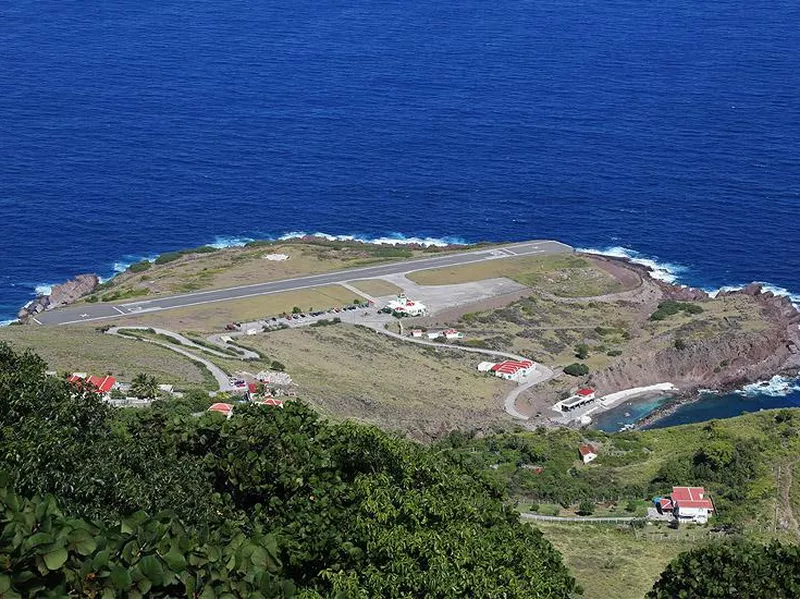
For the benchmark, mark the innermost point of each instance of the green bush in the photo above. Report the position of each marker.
(671, 307)
(140, 266)
(278, 366)
(576, 369)
(614, 352)
(581, 351)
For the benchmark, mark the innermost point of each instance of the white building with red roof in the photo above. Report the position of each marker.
(403, 306)
(690, 504)
(513, 370)
(102, 385)
(587, 452)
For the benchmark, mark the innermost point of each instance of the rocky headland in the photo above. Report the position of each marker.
(60, 295)
(730, 358)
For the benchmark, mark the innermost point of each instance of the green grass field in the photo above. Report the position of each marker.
(615, 562)
(83, 349)
(562, 274)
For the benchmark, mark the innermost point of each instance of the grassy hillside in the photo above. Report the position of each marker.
(84, 349)
(353, 372)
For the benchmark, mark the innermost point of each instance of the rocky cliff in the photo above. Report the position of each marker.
(724, 361)
(60, 295)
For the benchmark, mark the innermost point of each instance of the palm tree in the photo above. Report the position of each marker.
(144, 386)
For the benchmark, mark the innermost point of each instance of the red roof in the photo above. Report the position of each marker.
(585, 391)
(587, 449)
(103, 385)
(511, 366)
(273, 402)
(95, 383)
(222, 408)
(252, 388)
(688, 493)
(691, 497)
(665, 503)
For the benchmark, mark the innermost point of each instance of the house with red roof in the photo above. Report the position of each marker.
(587, 452)
(272, 401)
(690, 504)
(451, 334)
(513, 370)
(102, 385)
(225, 409)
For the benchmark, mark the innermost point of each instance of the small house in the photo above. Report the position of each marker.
(225, 409)
(690, 504)
(485, 366)
(416, 333)
(587, 452)
(452, 334)
(433, 335)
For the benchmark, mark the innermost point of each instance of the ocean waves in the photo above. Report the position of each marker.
(664, 271)
(777, 386)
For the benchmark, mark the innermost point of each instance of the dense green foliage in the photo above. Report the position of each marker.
(671, 307)
(576, 369)
(267, 501)
(140, 266)
(741, 569)
(544, 465)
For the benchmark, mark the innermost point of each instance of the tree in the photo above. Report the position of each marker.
(256, 505)
(144, 386)
(586, 507)
(296, 310)
(739, 569)
(581, 351)
(576, 369)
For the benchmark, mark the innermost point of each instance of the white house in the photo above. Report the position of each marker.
(416, 333)
(511, 370)
(433, 335)
(485, 366)
(690, 504)
(451, 334)
(588, 453)
(581, 398)
(402, 305)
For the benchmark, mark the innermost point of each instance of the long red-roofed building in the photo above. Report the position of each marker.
(512, 370)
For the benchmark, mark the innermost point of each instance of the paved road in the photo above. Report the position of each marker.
(539, 375)
(219, 375)
(94, 312)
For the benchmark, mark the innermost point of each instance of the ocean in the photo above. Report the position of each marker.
(667, 132)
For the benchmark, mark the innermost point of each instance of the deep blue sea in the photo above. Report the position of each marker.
(669, 131)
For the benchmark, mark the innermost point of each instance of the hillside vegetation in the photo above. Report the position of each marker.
(271, 503)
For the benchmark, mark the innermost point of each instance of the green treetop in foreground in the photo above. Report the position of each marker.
(270, 503)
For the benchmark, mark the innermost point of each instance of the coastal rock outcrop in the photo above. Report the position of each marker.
(60, 295)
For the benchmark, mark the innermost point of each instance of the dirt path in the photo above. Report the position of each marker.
(784, 477)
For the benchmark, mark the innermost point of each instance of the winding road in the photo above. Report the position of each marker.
(219, 375)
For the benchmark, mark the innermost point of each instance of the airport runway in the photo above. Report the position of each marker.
(94, 312)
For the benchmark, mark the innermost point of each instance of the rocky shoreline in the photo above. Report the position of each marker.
(60, 295)
(725, 364)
